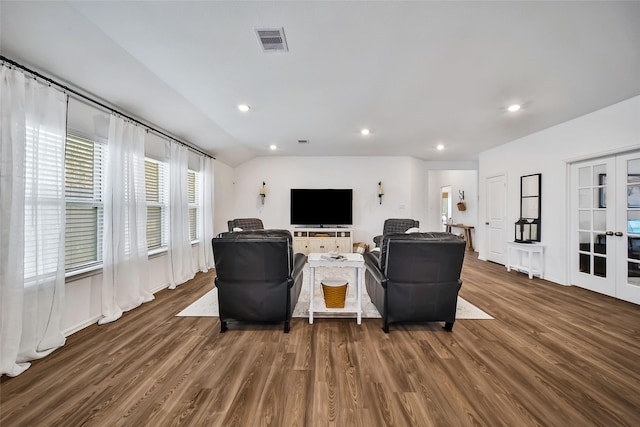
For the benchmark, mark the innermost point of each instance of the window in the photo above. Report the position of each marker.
(157, 203)
(193, 191)
(84, 208)
(43, 192)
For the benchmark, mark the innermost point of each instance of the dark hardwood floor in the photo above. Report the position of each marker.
(553, 356)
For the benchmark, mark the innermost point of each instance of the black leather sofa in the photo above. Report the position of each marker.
(258, 276)
(416, 277)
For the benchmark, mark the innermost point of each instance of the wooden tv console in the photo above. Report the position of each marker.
(308, 240)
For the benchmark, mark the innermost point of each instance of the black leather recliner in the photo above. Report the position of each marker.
(416, 277)
(395, 225)
(258, 276)
(245, 224)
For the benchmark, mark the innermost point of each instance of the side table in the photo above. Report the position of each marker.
(467, 233)
(526, 257)
(352, 260)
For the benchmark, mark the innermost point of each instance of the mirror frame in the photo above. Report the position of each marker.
(531, 193)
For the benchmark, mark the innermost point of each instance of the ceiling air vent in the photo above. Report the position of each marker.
(272, 39)
(303, 141)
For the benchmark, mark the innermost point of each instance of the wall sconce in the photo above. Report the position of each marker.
(461, 205)
(263, 192)
(380, 191)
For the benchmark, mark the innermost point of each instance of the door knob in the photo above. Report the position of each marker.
(618, 233)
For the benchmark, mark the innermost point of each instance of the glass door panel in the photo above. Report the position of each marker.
(591, 224)
(592, 219)
(631, 226)
(605, 224)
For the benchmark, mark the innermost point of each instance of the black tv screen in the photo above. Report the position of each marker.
(321, 207)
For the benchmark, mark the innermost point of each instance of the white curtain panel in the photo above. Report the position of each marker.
(180, 253)
(205, 250)
(32, 219)
(125, 270)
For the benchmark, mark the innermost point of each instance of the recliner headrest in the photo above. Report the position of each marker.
(255, 234)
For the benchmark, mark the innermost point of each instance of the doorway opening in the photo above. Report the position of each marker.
(445, 206)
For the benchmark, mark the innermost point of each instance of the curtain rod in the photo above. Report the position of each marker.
(106, 107)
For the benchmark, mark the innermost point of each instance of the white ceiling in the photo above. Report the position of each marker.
(415, 73)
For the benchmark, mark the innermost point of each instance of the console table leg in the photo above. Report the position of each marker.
(359, 292)
(312, 280)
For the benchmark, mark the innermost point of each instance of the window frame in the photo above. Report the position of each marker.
(195, 204)
(97, 201)
(162, 203)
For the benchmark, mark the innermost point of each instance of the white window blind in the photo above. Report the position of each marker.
(43, 201)
(156, 179)
(84, 161)
(193, 191)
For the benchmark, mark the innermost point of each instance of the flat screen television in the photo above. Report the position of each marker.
(321, 207)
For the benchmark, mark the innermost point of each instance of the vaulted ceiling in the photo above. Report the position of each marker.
(417, 74)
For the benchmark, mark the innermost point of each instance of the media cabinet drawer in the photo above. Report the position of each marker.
(308, 240)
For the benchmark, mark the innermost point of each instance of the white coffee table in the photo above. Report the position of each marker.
(352, 260)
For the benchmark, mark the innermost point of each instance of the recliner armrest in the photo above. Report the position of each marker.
(377, 240)
(299, 260)
(372, 264)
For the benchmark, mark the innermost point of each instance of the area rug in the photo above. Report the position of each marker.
(207, 305)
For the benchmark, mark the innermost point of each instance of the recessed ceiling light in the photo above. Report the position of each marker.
(273, 146)
(365, 131)
(243, 107)
(440, 147)
(513, 108)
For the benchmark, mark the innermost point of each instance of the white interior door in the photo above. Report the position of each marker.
(592, 221)
(626, 235)
(606, 226)
(496, 189)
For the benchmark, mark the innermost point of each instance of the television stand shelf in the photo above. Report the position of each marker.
(307, 240)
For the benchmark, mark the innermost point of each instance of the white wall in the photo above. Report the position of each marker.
(402, 179)
(612, 129)
(405, 181)
(223, 203)
(459, 180)
(83, 297)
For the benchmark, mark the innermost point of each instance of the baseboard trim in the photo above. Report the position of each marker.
(72, 330)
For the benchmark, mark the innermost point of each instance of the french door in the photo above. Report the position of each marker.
(605, 238)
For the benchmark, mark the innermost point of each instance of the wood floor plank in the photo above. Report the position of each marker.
(553, 356)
